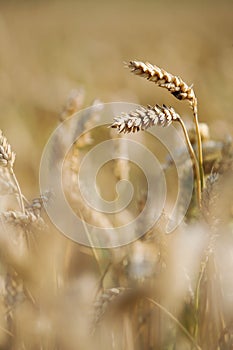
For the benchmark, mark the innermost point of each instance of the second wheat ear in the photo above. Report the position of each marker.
(144, 117)
(178, 88)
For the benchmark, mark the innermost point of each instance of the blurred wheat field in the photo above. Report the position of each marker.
(162, 292)
(49, 48)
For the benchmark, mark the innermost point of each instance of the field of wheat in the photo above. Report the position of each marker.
(110, 72)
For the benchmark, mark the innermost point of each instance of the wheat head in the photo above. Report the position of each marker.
(145, 117)
(162, 78)
(7, 156)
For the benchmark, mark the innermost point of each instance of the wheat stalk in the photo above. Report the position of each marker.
(145, 117)
(178, 88)
(7, 159)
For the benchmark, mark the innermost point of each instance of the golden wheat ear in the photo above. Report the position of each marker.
(178, 88)
(173, 83)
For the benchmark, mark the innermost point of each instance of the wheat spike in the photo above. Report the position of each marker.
(172, 83)
(38, 204)
(103, 301)
(23, 219)
(145, 117)
(73, 104)
(7, 157)
(14, 289)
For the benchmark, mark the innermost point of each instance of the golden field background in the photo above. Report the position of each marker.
(51, 47)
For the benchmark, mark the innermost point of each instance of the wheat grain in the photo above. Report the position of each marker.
(145, 117)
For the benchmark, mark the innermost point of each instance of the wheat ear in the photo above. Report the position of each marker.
(145, 117)
(178, 88)
(7, 158)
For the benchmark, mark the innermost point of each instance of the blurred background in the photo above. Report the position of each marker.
(50, 47)
(47, 49)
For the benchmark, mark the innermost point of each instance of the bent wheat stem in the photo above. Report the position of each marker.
(194, 160)
(145, 117)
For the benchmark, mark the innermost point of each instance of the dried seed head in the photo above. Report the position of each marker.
(145, 117)
(14, 289)
(23, 219)
(7, 157)
(73, 104)
(103, 301)
(38, 204)
(171, 82)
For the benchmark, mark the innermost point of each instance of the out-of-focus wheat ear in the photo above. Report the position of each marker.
(102, 303)
(73, 104)
(7, 156)
(145, 117)
(7, 159)
(178, 88)
(26, 220)
(37, 204)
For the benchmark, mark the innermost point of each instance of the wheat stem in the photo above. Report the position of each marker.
(18, 190)
(199, 143)
(184, 330)
(194, 160)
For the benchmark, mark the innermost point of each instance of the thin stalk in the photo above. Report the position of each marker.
(18, 190)
(197, 295)
(97, 253)
(168, 313)
(194, 160)
(199, 144)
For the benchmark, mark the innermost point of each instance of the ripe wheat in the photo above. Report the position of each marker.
(145, 117)
(166, 80)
